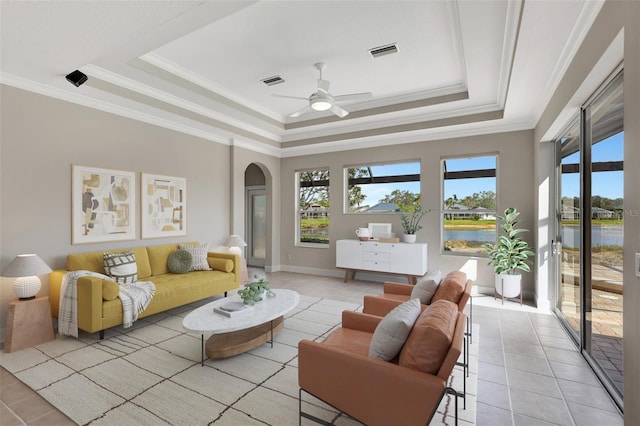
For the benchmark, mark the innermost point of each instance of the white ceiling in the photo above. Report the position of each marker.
(463, 67)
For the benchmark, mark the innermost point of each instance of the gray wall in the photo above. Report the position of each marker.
(42, 137)
(515, 189)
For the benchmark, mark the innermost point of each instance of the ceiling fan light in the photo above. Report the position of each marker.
(320, 104)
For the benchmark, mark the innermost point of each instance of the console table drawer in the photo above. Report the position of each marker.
(373, 265)
(376, 256)
(377, 247)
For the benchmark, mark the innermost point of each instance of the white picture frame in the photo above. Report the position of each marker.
(103, 205)
(378, 230)
(164, 206)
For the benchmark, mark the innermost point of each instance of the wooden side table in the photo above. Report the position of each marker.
(29, 323)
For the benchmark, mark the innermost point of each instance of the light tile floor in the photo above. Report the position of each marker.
(529, 372)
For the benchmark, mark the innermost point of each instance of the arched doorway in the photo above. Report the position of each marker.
(256, 215)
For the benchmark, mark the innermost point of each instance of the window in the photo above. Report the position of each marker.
(382, 188)
(469, 204)
(313, 207)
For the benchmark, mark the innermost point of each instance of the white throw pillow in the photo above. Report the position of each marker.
(393, 330)
(122, 267)
(426, 287)
(199, 256)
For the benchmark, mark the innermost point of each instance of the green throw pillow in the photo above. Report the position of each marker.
(180, 261)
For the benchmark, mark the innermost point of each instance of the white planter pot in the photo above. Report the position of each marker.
(508, 285)
(409, 238)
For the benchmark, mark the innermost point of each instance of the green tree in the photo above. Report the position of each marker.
(355, 195)
(406, 200)
(314, 188)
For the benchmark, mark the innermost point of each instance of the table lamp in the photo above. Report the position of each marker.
(26, 268)
(234, 242)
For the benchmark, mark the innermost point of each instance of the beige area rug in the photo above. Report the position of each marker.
(150, 374)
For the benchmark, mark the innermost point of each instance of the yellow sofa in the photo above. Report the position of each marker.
(98, 310)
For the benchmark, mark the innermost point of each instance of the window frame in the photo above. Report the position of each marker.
(414, 177)
(297, 210)
(467, 174)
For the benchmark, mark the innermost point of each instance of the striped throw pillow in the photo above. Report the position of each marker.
(121, 267)
(199, 256)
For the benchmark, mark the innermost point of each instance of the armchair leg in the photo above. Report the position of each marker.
(307, 415)
(452, 391)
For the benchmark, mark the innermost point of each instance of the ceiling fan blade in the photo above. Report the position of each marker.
(338, 111)
(323, 85)
(290, 97)
(353, 97)
(301, 111)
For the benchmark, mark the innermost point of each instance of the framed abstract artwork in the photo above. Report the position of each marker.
(164, 206)
(103, 205)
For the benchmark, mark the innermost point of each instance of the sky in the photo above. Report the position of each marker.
(606, 184)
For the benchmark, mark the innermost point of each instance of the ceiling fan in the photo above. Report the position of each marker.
(322, 100)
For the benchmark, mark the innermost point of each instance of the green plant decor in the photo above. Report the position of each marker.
(410, 218)
(253, 291)
(510, 252)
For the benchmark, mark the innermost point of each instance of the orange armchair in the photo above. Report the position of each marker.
(406, 390)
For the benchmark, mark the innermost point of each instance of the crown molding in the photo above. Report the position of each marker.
(181, 72)
(76, 98)
(146, 90)
(457, 131)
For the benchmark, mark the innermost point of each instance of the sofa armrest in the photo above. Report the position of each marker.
(397, 288)
(89, 295)
(360, 321)
(379, 305)
(234, 257)
(373, 391)
(90, 304)
(55, 287)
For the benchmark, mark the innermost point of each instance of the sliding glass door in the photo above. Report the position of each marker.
(590, 232)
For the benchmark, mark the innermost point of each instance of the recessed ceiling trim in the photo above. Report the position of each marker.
(460, 131)
(356, 114)
(128, 84)
(510, 41)
(90, 102)
(400, 128)
(172, 68)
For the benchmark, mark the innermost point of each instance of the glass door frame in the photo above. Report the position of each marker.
(584, 335)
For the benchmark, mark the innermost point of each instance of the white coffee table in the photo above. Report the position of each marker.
(243, 331)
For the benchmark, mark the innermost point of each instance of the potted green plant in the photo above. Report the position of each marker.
(255, 291)
(509, 254)
(410, 217)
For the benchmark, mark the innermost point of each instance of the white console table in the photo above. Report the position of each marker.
(392, 258)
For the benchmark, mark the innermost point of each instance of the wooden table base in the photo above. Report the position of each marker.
(233, 343)
(28, 324)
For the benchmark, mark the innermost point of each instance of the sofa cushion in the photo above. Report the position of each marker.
(121, 266)
(451, 287)
(159, 256)
(199, 254)
(110, 290)
(94, 261)
(352, 341)
(224, 265)
(393, 329)
(430, 338)
(426, 287)
(180, 262)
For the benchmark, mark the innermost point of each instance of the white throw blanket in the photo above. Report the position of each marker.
(135, 299)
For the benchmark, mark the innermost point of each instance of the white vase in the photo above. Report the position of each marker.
(508, 285)
(409, 238)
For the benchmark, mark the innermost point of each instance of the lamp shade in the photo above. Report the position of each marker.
(26, 268)
(235, 241)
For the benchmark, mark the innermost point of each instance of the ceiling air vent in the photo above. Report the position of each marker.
(384, 50)
(272, 81)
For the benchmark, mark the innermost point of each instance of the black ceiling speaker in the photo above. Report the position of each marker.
(77, 78)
